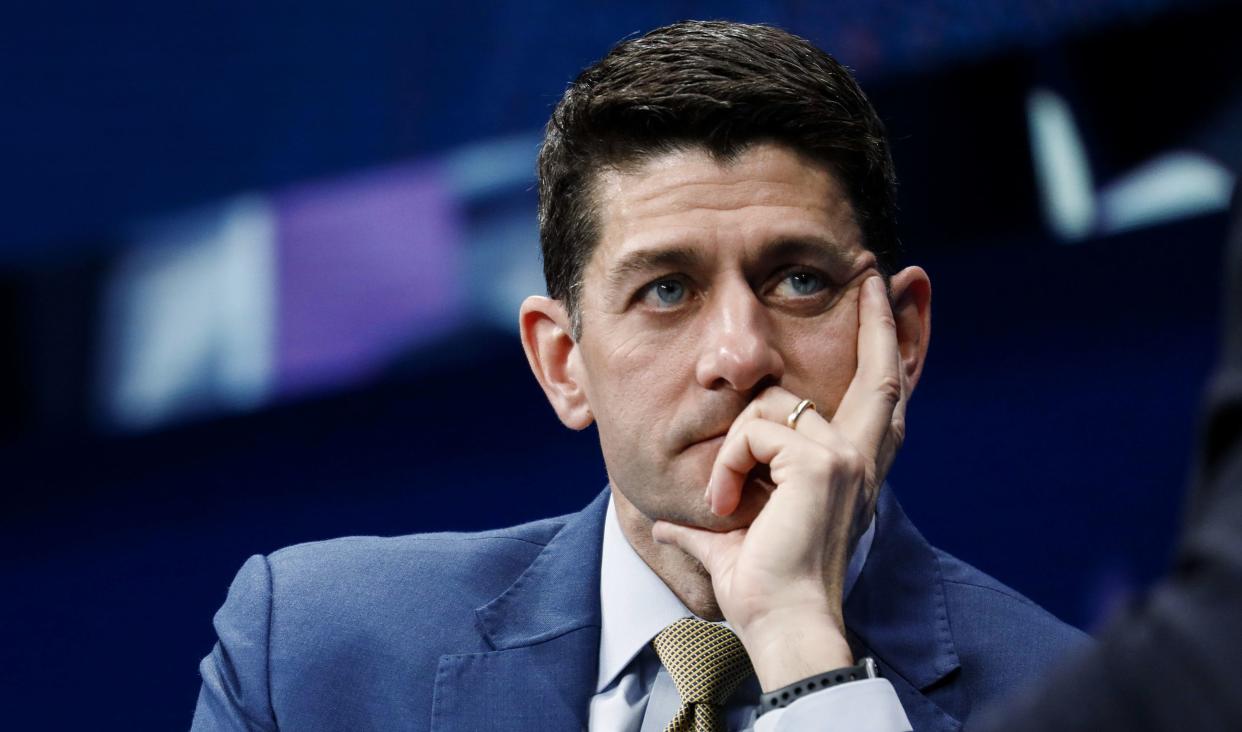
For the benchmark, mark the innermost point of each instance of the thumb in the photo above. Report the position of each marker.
(698, 543)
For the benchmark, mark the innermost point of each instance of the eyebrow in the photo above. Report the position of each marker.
(651, 260)
(807, 247)
(688, 257)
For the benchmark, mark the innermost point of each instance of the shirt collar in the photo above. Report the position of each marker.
(635, 604)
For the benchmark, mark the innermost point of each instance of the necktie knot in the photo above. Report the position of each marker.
(706, 660)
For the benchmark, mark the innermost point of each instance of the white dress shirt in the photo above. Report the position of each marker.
(634, 693)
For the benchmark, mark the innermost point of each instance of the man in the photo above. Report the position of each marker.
(717, 223)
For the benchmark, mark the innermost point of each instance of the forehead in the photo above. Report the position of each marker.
(690, 199)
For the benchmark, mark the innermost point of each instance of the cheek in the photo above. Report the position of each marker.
(640, 359)
(821, 355)
(637, 378)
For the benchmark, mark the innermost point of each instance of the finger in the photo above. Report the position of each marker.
(866, 410)
(750, 443)
(773, 397)
(739, 453)
(898, 423)
(897, 429)
(698, 543)
(776, 404)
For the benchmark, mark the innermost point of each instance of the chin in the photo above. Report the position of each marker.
(754, 498)
(681, 502)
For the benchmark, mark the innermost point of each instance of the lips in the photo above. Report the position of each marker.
(713, 441)
(713, 437)
(711, 421)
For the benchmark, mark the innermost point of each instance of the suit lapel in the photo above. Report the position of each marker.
(896, 613)
(544, 635)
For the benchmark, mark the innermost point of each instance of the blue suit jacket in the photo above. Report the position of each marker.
(500, 630)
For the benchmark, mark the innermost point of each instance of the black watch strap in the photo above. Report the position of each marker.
(783, 697)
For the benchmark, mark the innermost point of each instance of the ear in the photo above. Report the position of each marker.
(911, 297)
(554, 358)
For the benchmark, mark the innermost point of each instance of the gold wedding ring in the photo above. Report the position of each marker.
(792, 420)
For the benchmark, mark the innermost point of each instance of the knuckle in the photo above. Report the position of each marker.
(846, 462)
(855, 463)
(823, 455)
(842, 461)
(821, 459)
(889, 388)
(898, 431)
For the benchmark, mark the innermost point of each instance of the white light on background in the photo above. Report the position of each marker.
(189, 316)
(1062, 170)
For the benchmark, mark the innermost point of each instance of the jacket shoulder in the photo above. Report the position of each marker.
(1003, 639)
(412, 572)
(416, 593)
(327, 633)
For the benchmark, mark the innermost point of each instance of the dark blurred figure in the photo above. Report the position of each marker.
(1172, 662)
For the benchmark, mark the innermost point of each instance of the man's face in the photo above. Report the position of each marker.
(712, 281)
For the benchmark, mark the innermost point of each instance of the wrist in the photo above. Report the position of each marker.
(783, 697)
(794, 643)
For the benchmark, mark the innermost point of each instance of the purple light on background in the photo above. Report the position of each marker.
(366, 267)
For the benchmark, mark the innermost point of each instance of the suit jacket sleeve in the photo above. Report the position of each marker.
(236, 694)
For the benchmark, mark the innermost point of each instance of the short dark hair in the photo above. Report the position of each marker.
(716, 85)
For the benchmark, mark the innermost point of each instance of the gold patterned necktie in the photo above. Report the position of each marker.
(707, 662)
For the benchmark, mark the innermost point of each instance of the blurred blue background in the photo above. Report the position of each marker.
(260, 264)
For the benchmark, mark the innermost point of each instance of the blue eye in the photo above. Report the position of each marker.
(668, 292)
(802, 284)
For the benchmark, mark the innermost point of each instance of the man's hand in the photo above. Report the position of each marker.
(780, 580)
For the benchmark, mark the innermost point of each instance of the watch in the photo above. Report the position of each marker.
(783, 697)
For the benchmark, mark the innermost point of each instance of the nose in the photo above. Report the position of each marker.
(737, 350)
